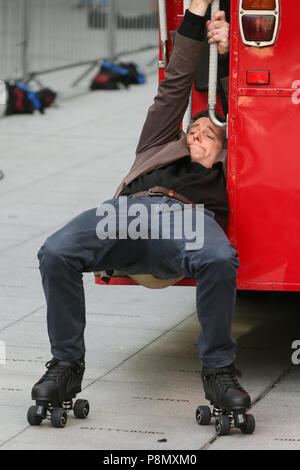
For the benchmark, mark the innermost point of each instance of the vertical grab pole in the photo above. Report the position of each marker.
(163, 33)
(213, 72)
(188, 114)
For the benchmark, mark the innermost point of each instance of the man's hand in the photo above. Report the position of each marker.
(199, 7)
(218, 32)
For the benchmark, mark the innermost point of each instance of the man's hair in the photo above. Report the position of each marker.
(205, 113)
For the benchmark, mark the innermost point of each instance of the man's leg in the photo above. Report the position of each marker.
(65, 255)
(72, 250)
(214, 267)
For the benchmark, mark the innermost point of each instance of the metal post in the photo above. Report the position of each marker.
(163, 33)
(111, 28)
(213, 73)
(24, 44)
(188, 114)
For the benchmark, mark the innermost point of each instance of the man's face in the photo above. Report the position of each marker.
(205, 141)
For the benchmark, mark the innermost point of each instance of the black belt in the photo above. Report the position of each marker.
(161, 191)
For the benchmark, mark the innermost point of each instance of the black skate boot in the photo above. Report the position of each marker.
(229, 400)
(54, 393)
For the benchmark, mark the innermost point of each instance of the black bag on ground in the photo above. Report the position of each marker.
(135, 76)
(46, 96)
(114, 76)
(110, 77)
(17, 100)
(22, 100)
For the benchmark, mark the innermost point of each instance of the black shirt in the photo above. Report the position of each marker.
(197, 183)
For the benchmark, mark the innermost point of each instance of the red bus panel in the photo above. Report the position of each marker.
(264, 156)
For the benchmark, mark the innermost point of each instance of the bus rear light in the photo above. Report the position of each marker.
(259, 22)
(258, 4)
(258, 28)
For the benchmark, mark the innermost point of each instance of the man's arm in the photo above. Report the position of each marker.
(164, 117)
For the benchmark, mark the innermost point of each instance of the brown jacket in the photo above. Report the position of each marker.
(162, 141)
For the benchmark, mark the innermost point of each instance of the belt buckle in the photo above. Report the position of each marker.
(155, 193)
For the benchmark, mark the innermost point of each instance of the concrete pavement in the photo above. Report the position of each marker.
(142, 369)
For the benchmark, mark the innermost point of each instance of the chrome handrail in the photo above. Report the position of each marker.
(213, 74)
(163, 33)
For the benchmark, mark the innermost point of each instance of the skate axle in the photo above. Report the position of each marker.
(240, 419)
(40, 411)
(236, 419)
(67, 405)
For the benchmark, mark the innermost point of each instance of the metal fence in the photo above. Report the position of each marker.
(38, 36)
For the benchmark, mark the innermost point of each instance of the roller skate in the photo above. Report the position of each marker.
(229, 400)
(55, 391)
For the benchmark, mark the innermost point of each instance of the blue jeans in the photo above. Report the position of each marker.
(76, 248)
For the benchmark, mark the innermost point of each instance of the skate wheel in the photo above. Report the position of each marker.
(59, 418)
(222, 425)
(32, 418)
(249, 426)
(203, 415)
(81, 409)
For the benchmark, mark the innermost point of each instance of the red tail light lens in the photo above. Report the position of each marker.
(258, 28)
(259, 4)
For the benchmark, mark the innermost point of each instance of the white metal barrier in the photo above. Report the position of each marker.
(11, 38)
(39, 36)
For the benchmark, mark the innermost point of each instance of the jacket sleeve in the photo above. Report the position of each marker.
(166, 113)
